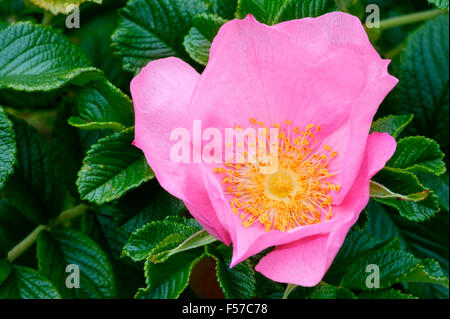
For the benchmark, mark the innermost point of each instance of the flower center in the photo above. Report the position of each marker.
(295, 194)
(280, 185)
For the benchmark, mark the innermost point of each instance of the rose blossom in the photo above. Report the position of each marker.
(318, 81)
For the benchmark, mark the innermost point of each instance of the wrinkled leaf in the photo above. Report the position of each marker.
(198, 42)
(7, 147)
(102, 106)
(236, 282)
(405, 183)
(168, 280)
(392, 124)
(37, 58)
(111, 168)
(26, 283)
(148, 239)
(418, 154)
(59, 248)
(153, 29)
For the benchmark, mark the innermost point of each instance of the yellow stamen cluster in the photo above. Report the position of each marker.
(296, 194)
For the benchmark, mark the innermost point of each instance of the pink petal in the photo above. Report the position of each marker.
(343, 31)
(161, 93)
(301, 70)
(304, 262)
(351, 137)
(292, 71)
(251, 240)
(256, 71)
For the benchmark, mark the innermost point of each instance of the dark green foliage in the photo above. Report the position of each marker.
(75, 191)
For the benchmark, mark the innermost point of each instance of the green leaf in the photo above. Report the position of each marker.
(274, 11)
(198, 42)
(385, 294)
(428, 271)
(443, 4)
(3, 24)
(66, 146)
(440, 185)
(360, 249)
(111, 168)
(3, 245)
(358, 243)
(153, 29)
(403, 182)
(143, 205)
(198, 239)
(418, 154)
(60, 6)
(37, 58)
(296, 9)
(392, 124)
(223, 8)
(299, 292)
(94, 38)
(101, 228)
(87, 125)
(395, 266)
(427, 291)
(35, 188)
(27, 283)
(322, 290)
(268, 289)
(265, 11)
(51, 263)
(87, 138)
(159, 252)
(102, 106)
(11, 7)
(424, 240)
(379, 191)
(423, 88)
(59, 248)
(168, 280)
(5, 269)
(7, 147)
(238, 282)
(352, 7)
(31, 100)
(146, 240)
(325, 291)
(14, 227)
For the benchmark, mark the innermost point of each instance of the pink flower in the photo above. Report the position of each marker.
(318, 80)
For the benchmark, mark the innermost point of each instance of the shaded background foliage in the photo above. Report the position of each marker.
(74, 191)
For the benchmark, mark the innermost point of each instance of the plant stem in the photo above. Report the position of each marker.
(28, 241)
(409, 18)
(69, 214)
(288, 290)
(392, 53)
(47, 18)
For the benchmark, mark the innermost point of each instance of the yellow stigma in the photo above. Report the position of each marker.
(296, 194)
(280, 185)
